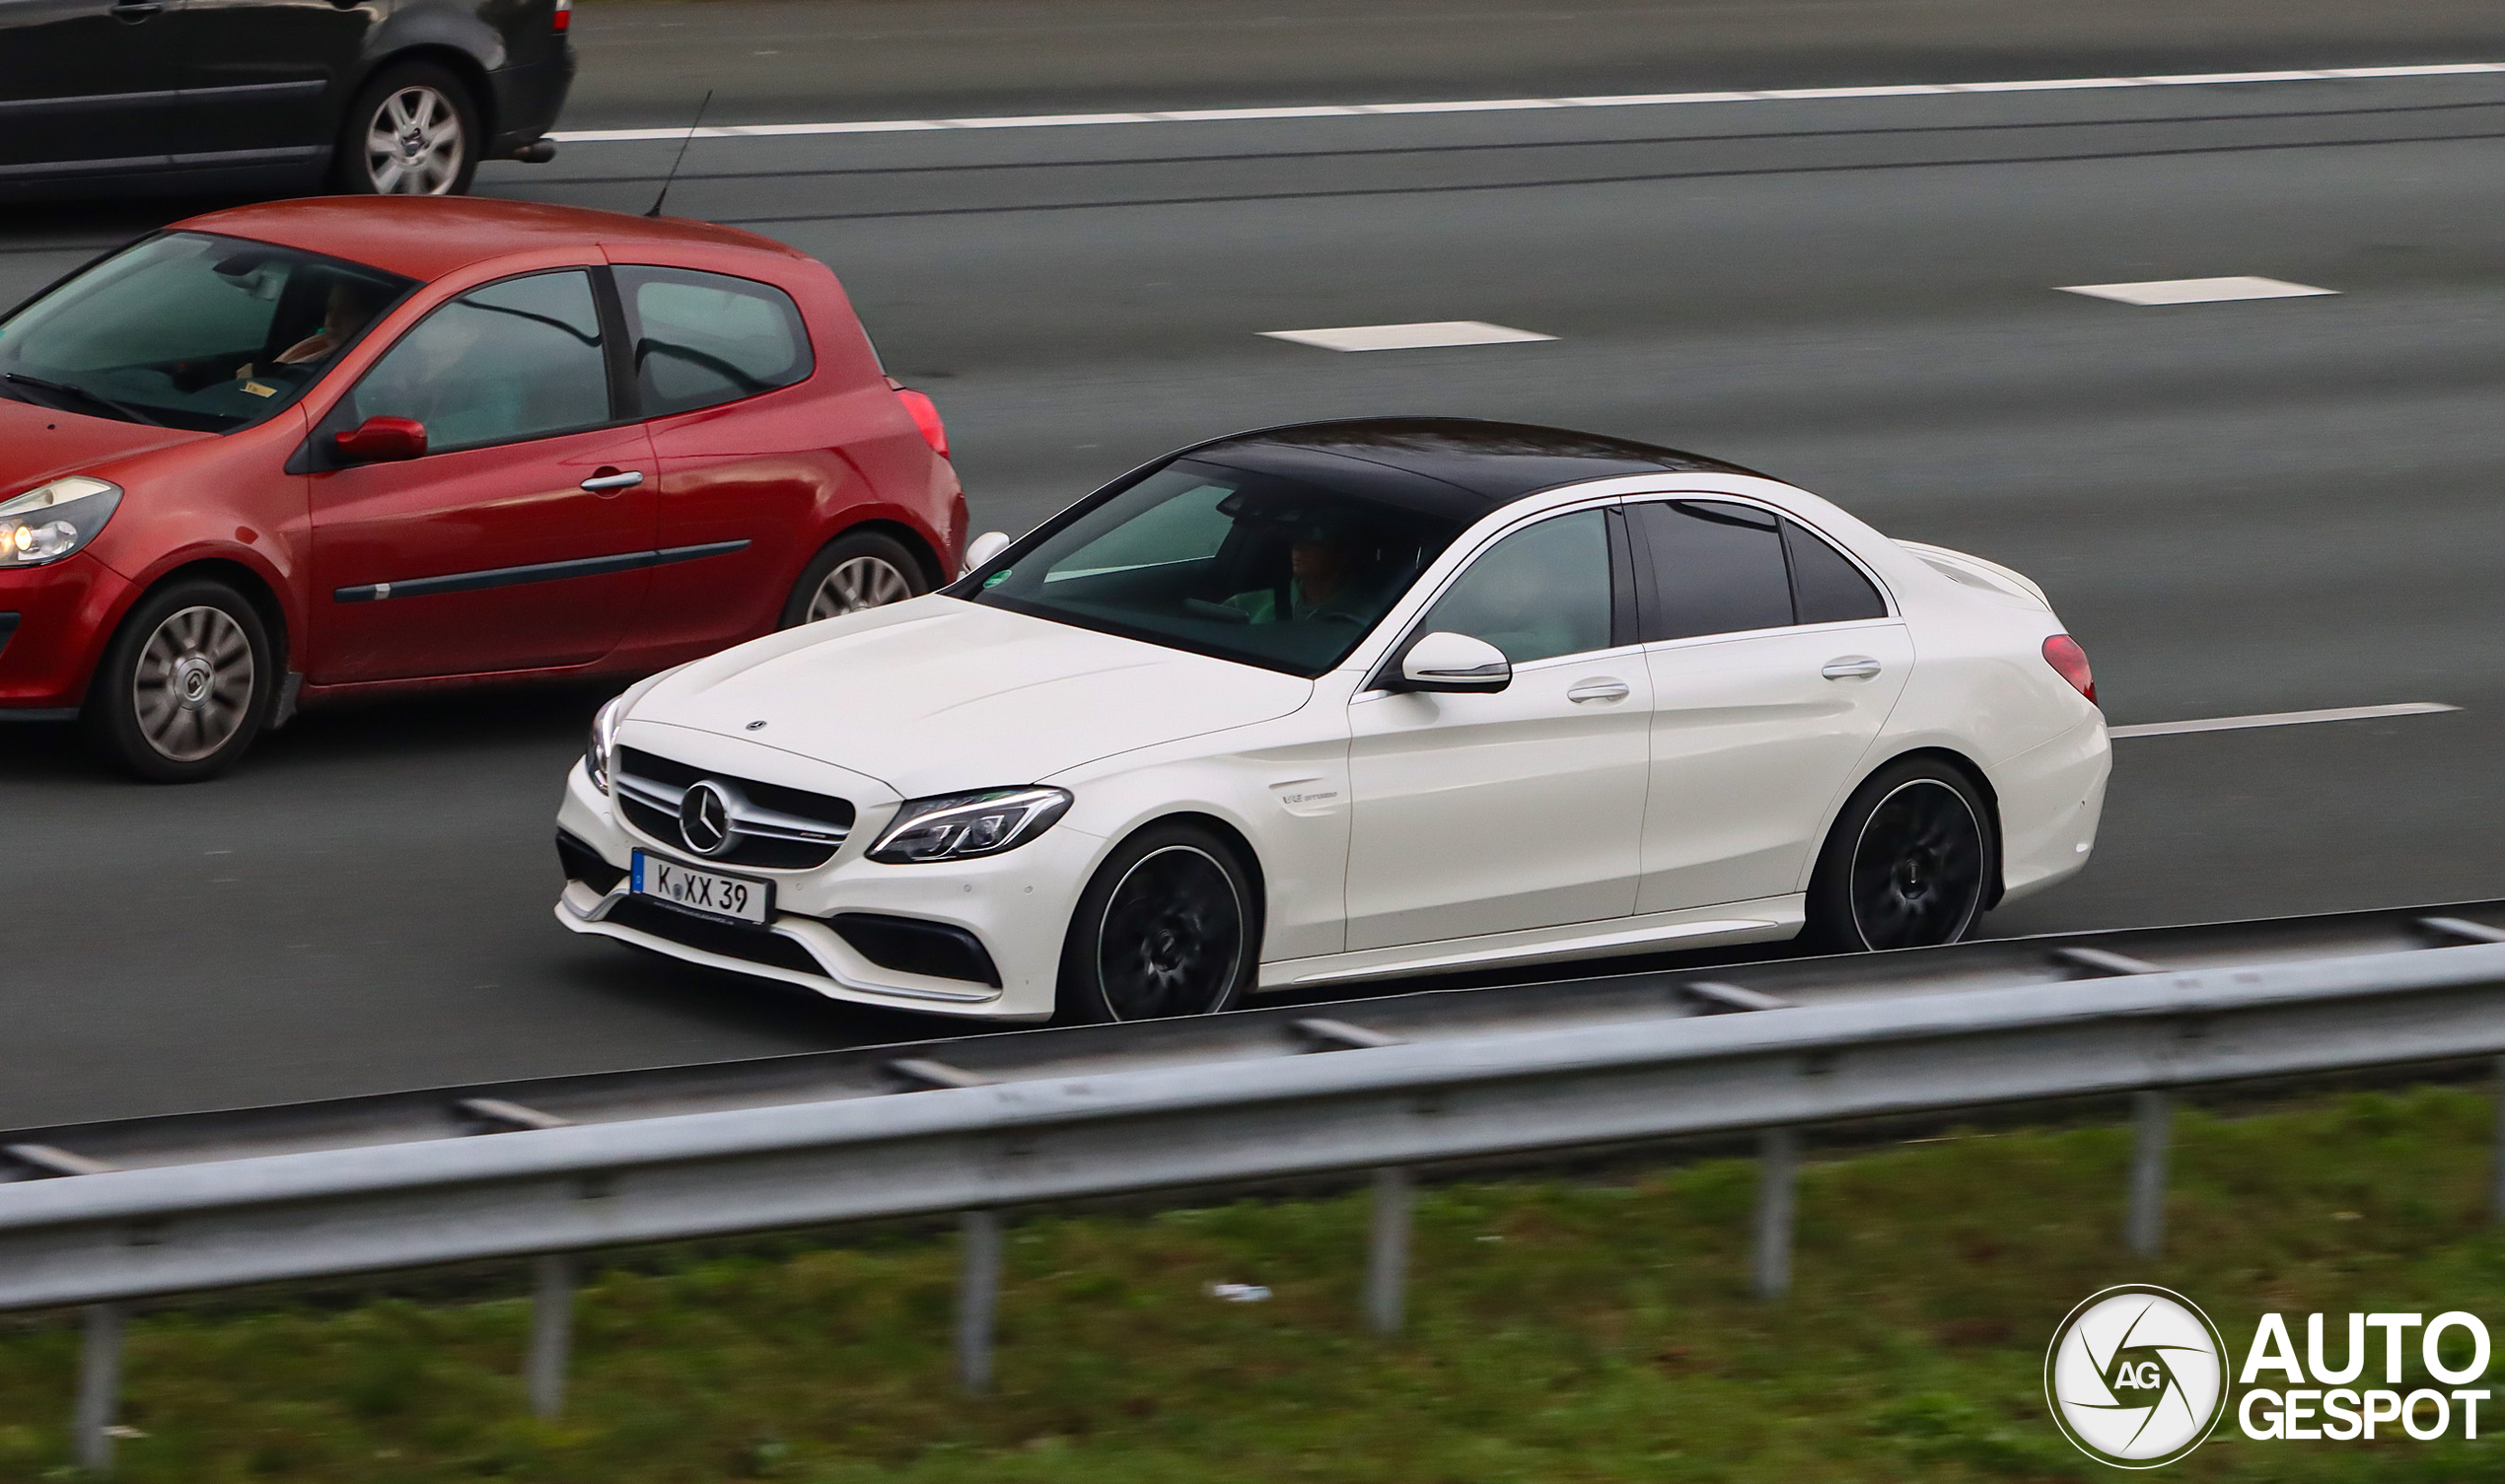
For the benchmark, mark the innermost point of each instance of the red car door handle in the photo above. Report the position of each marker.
(609, 479)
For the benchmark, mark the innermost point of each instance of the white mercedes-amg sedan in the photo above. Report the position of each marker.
(1347, 700)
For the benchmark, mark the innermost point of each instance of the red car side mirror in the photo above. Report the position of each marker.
(381, 439)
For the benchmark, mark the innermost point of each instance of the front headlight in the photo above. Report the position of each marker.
(602, 749)
(50, 520)
(955, 826)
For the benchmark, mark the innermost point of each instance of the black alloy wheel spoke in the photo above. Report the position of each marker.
(1171, 939)
(1917, 875)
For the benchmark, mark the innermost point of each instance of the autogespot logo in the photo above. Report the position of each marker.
(2136, 1377)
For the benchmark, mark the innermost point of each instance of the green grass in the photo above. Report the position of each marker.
(1560, 1332)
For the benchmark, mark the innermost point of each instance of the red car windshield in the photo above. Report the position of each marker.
(190, 330)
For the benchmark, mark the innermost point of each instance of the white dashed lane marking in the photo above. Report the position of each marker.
(1408, 336)
(2280, 719)
(1517, 105)
(2196, 289)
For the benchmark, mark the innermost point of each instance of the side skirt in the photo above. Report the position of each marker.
(1758, 921)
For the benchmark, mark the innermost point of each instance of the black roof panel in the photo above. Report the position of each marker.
(1496, 461)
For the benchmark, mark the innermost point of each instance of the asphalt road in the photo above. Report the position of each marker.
(2245, 507)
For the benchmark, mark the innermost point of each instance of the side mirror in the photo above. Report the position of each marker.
(381, 439)
(984, 549)
(1449, 662)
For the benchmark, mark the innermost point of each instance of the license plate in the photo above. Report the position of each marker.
(706, 891)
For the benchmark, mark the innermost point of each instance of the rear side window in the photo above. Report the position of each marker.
(1717, 569)
(1827, 587)
(706, 338)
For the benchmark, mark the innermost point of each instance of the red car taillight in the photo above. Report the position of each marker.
(2063, 654)
(564, 16)
(925, 417)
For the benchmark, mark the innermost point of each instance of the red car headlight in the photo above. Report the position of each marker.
(51, 521)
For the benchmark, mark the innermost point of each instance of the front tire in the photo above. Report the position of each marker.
(185, 686)
(1910, 862)
(412, 132)
(855, 572)
(1170, 925)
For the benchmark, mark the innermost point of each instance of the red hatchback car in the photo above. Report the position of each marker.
(332, 448)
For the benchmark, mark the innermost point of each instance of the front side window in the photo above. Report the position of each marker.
(514, 360)
(707, 338)
(190, 330)
(1536, 595)
(1254, 567)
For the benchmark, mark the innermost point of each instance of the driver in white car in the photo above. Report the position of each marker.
(1325, 579)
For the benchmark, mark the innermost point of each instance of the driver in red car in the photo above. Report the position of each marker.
(346, 312)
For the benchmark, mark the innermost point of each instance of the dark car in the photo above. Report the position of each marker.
(372, 97)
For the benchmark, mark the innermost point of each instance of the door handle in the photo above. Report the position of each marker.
(136, 10)
(1850, 668)
(1597, 690)
(614, 479)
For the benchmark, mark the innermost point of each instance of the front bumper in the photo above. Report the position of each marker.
(63, 614)
(1016, 905)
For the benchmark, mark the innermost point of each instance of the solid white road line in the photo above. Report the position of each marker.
(2196, 289)
(2280, 719)
(1408, 336)
(1516, 105)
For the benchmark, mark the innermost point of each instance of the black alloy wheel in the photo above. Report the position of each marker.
(857, 571)
(1909, 864)
(185, 686)
(1167, 927)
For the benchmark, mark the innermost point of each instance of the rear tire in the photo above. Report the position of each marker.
(1910, 861)
(185, 686)
(855, 572)
(1170, 925)
(413, 130)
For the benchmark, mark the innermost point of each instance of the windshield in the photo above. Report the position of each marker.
(189, 331)
(1257, 568)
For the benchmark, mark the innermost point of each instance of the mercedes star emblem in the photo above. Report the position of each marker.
(704, 818)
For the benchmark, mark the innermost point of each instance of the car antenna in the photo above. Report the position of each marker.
(682, 153)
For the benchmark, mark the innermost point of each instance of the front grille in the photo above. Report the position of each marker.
(910, 946)
(729, 939)
(771, 825)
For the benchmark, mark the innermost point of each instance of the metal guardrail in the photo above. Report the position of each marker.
(1271, 1032)
(102, 1240)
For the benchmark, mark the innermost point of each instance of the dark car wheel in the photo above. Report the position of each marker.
(1168, 926)
(1909, 864)
(863, 570)
(185, 686)
(412, 132)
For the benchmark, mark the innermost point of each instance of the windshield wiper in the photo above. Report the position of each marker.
(58, 389)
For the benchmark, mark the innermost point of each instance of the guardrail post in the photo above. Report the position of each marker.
(2496, 1175)
(1387, 1249)
(99, 1388)
(551, 1333)
(2152, 1117)
(977, 1298)
(1778, 1167)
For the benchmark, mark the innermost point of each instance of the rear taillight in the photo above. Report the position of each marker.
(925, 417)
(2063, 654)
(564, 16)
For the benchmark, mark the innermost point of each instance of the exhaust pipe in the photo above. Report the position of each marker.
(537, 152)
